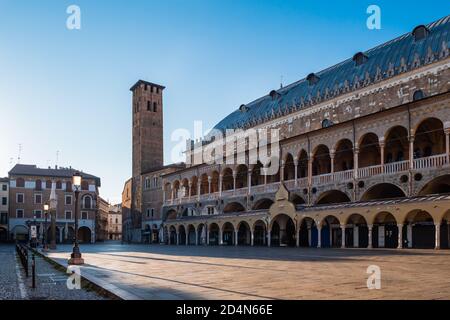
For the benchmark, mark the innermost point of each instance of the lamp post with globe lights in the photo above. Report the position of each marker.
(75, 257)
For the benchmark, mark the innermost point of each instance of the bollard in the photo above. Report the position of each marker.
(33, 271)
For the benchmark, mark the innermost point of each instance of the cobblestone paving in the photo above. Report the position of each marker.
(181, 272)
(50, 282)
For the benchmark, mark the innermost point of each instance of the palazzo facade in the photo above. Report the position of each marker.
(363, 158)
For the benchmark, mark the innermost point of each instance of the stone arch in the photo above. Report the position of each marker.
(369, 150)
(20, 233)
(227, 179)
(438, 185)
(202, 234)
(282, 231)
(356, 231)
(429, 138)
(191, 236)
(302, 168)
(396, 144)
(244, 233)
(332, 196)
(172, 234)
(321, 160)
(194, 185)
(297, 199)
(419, 230)
(233, 207)
(289, 167)
(181, 234)
(383, 191)
(308, 235)
(259, 233)
(262, 204)
(257, 177)
(84, 234)
(171, 214)
(184, 188)
(385, 230)
(214, 232)
(215, 181)
(331, 232)
(228, 234)
(241, 176)
(204, 184)
(343, 157)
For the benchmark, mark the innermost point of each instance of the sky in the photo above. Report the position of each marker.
(64, 94)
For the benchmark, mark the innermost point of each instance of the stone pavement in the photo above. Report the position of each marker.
(50, 282)
(188, 272)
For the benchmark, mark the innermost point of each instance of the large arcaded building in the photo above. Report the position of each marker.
(364, 158)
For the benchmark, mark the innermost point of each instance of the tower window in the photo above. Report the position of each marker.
(155, 108)
(312, 79)
(149, 107)
(146, 87)
(360, 58)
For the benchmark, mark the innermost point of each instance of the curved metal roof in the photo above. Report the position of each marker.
(383, 62)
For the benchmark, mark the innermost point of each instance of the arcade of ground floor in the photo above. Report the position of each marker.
(206, 272)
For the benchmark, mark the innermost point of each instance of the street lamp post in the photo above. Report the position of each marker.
(75, 257)
(46, 207)
(53, 202)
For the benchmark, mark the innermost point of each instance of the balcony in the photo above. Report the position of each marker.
(432, 162)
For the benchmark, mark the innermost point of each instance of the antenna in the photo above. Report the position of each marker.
(20, 152)
(281, 82)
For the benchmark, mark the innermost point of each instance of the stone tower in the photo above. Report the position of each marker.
(147, 110)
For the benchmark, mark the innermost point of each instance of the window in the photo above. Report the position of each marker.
(68, 215)
(327, 123)
(210, 210)
(420, 32)
(19, 213)
(360, 58)
(20, 198)
(87, 202)
(147, 183)
(38, 214)
(69, 186)
(84, 215)
(418, 95)
(38, 185)
(4, 218)
(155, 108)
(58, 185)
(48, 184)
(84, 185)
(68, 200)
(4, 201)
(20, 183)
(117, 221)
(4, 187)
(312, 79)
(38, 199)
(149, 106)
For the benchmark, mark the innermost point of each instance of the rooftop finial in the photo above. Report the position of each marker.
(281, 82)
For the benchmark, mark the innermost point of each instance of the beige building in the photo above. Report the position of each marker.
(4, 208)
(363, 158)
(115, 222)
(101, 225)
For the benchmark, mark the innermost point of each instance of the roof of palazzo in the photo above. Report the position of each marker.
(385, 61)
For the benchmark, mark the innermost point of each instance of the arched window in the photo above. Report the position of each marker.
(360, 58)
(69, 186)
(87, 202)
(48, 184)
(58, 185)
(327, 123)
(418, 95)
(38, 185)
(149, 106)
(420, 32)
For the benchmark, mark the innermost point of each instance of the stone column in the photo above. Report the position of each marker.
(369, 227)
(178, 238)
(409, 235)
(382, 145)
(187, 236)
(234, 180)
(282, 171)
(400, 236)
(411, 152)
(199, 184)
(207, 235)
(297, 240)
(236, 235)
(343, 236)
(268, 239)
(252, 238)
(296, 171)
(220, 237)
(355, 236)
(319, 237)
(437, 237)
(447, 145)
(220, 184)
(249, 180)
(310, 163)
(355, 161)
(190, 189)
(196, 237)
(332, 155)
(265, 175)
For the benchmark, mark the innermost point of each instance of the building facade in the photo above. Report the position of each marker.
(363, 158)
(30, 188)
(115, 222)
(4, 208)
(101, 225)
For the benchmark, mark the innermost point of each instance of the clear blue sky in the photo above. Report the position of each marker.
(69, 90)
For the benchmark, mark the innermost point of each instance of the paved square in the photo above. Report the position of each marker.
(188, 272)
